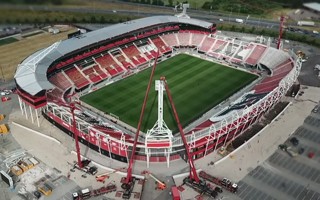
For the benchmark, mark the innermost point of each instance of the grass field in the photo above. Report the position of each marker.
(8, 41)
(196, 86)
(14, 53)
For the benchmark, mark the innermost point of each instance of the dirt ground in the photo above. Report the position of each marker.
(14, 53)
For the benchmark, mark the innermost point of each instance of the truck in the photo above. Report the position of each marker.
(202, 187)
(224, 183)
(305, 23)
(86, 193)
(239, 21)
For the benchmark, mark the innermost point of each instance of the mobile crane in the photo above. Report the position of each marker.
(193, 179)
(224, 183)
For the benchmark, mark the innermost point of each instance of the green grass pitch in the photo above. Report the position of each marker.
(196, 85)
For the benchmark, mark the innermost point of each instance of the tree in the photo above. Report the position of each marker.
(74, 20)
(170, 2)
(102, 19)
(252, 29)
(56, 2)
(93, 19)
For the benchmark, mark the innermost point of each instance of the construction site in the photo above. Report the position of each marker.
(53, 147)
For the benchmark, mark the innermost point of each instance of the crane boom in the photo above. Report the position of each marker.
(282, 19)
(193, 172)
(75, 134)
(129, 173)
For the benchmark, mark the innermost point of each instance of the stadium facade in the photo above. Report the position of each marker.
(48, 79)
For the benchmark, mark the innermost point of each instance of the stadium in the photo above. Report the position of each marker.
(221, 86)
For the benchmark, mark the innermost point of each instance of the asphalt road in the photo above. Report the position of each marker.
(204, 15)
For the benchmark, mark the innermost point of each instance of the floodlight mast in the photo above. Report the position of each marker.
(193, 173)
(160, 131)
(128, 179)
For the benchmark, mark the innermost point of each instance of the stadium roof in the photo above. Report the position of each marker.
(31, 74)
(313, 6)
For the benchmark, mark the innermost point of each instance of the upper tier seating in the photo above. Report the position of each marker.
(184, 39)
(163, 48)
(78, 79)
(207, 44)
(218, 45)
(105, 61)
(197, 39)
(141, 59)
(100, 72)
(170, 39)
(61, 81)
(93, 76)
(255, 54)
(131, 51)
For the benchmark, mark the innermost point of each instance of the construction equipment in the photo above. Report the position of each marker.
(86, 193)
(129, 181)
(3, 129)
(201, 187)
(160, 184)
(128, 191)
(16, 170)
(282, 20)
(85, 167)
(45, 189)
(225, 183)
(175, 193)
(193, 179)
(72, 106)
(104, 176)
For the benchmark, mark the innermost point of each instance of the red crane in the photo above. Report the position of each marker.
(128, 180)
(128, 183)
(193, 173)
(282, 18)
(72, 107)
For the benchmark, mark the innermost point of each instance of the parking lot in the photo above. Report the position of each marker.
(284, 175)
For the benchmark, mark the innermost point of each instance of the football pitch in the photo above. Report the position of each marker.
(196, 86)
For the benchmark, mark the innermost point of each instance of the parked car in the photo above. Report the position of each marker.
(283, 147)
(301, 151)
(294, 141)
(37, 194)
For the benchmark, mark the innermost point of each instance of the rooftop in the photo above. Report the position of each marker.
(31, 74)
